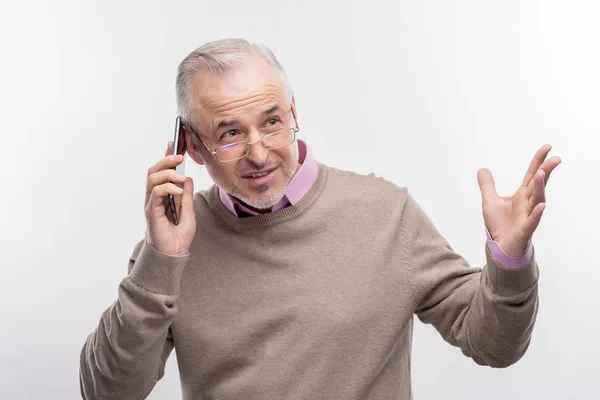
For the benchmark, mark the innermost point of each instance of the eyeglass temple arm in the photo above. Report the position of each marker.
(200, 140)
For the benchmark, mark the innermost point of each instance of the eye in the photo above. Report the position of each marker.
(230, 134)
(272, 121)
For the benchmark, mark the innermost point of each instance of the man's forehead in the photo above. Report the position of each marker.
(241, 97)
(232, 104)
(252, 100)
(266, 110)
(228, 99)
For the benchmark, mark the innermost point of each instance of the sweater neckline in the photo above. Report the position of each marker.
(238, 223)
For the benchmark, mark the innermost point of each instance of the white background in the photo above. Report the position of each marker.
(421, 92)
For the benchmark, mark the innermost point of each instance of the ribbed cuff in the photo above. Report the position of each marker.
(510, 281)
(158, 272)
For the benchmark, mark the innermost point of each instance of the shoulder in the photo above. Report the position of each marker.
(367, 189)
(206, 201)
(203, 196)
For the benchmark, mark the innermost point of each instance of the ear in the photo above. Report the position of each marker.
(192, 144)
(294, 106)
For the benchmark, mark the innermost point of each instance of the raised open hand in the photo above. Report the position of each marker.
(512, 220)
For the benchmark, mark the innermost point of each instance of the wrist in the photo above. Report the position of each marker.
(165, 252)
(510, 248)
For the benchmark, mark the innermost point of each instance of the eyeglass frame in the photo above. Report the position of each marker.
(248, 143)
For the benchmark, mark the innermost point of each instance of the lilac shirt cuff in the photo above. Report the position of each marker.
(504, 259)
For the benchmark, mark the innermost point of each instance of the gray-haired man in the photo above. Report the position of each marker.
(289, 279)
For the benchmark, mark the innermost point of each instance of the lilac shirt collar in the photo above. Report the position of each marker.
(296, 190)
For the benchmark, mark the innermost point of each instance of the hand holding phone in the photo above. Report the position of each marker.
(163, 193)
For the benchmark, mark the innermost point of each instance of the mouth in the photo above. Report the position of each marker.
(259, 177)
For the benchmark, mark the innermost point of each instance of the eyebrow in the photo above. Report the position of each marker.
(229, 122)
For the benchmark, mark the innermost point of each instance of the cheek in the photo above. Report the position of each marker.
(228, 170)
(221, 172)
(288, 155)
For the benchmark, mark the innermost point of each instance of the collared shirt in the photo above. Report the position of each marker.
(296, 189)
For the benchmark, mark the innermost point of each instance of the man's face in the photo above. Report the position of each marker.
(245, 104)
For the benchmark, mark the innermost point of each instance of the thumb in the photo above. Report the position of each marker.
(486, 185)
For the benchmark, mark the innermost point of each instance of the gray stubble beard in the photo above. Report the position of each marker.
(266, 203)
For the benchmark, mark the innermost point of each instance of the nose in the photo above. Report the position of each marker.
(257, 154)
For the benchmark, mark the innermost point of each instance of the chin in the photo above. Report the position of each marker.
(264, 196)
(263, 200)
(262, 204)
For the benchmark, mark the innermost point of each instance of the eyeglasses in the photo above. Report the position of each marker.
(238, 150)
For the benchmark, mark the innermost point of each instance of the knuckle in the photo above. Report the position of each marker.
(152, 182)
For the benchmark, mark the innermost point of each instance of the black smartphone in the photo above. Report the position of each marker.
(178, 148)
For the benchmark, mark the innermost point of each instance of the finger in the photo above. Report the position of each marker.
(538, 193)
(166, 163)
(160, 192)
(549, 165)
(529, 190)
(160, 177)
(535, 164)
(486, 185)
(187, 200)
(169, 148)
(164, 176)
(534, 219)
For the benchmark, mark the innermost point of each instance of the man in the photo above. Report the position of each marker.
(289, 279)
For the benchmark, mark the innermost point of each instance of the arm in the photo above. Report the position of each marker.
(125, 355)
(489, 314)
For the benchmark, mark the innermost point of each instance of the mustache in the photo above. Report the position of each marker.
(253, 167)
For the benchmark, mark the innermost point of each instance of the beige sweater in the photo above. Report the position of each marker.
(315, 301)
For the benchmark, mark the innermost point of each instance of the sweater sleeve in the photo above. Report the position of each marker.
(488, 313)
(125, 355)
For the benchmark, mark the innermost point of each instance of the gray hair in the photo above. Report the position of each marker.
(218, 57)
